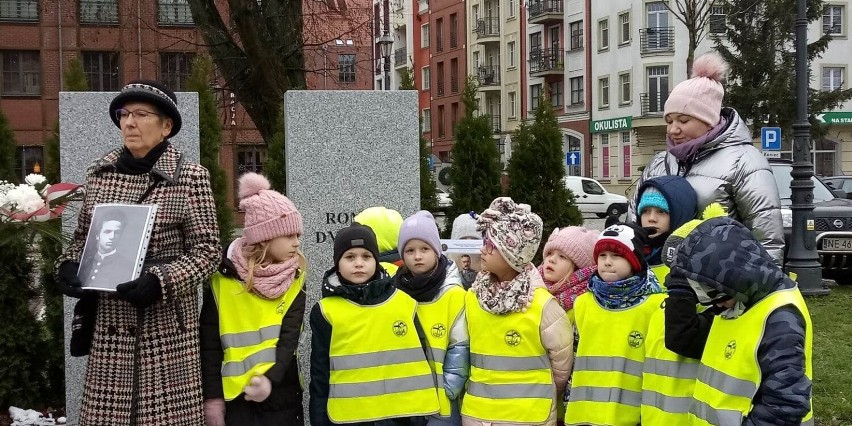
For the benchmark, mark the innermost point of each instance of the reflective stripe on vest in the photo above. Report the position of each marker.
(668, 379)
(438, 318)
(248, 341)
(729, 375)
(378, 369)
(510, 376)
(606, 386)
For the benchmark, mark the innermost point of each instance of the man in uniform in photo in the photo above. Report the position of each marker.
(107, 266)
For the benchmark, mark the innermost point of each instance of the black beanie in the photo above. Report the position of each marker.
(355, 236)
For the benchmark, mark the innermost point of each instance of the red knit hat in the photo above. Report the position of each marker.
(268, 213)
(629, 242)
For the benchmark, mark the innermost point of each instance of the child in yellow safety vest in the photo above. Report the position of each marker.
(369, 355)
(252, 315)
(520, 338)
(434, 282)
(612, 320)
(756, 351)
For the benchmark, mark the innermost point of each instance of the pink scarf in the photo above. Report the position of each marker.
(270, 281)
(567, 291)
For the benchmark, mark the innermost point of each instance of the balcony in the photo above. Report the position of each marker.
(440, 88)
(547, 62)
(495, 122)
(545, 11)
(18, 11)
(652, 103)
(400, 57)
(98, 12)
(488, 28)
(488, 77)
(656, 39)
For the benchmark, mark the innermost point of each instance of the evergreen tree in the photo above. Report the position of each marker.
(537, 171)
(274, 169)
(758, 46)
(210, 134)
(406, 79)
(476, 169)
(8, 150)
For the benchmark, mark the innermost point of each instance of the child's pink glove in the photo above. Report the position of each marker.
(214, 412)
(258, 389)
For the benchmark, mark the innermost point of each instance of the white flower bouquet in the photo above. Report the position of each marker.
(28, 205)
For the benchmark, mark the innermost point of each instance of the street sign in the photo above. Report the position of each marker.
(770, 138)
(837, 117)
(772, 154)
(572, 158)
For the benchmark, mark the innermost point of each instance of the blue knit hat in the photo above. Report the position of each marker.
(652, 197)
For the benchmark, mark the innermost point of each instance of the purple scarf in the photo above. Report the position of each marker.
(685, 152)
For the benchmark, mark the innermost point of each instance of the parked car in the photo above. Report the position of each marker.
(444, 200)
(843, 183)
(592, 197)
(832, 223)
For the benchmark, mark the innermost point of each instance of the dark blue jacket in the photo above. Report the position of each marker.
(722, 254)
(683, 207)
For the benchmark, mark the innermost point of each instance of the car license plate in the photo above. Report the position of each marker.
(842, 244)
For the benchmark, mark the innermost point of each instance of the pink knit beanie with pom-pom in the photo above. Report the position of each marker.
(268, 213)
(701, 95)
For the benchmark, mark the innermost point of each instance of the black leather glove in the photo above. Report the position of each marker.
(67, 281)
(141, 292)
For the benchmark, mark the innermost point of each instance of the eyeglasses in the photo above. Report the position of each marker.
(121, 114)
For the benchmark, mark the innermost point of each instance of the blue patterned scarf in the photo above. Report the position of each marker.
(626, 293)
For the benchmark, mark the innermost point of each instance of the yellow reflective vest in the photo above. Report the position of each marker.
(510, 375)
(438, 318)
(661, 271)
(668, 379)
(606, 387)
(377, 366)
(249, 341)
(729, 375)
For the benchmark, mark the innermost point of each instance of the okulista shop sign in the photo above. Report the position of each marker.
(611, 125)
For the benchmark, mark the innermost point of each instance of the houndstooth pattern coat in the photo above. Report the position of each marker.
(144, 366)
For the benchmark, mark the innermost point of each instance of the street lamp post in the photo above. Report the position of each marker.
(802, 256)
(386, 44)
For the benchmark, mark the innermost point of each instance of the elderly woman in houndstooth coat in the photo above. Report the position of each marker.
(143, 367)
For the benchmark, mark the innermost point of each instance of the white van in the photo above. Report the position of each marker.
(591, 197)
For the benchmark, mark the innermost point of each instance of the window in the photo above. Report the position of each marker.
(624, 95)
(101, 71)
(427, 120)
(175, 69)
(658, 87)
(454, 30)
(832, 78)
(98, 11)
(346, 67)
(576, 30)
(590, 187)
(510, 50)
(21, 73)
(512, 106)
(603, 34)
(511, 7)
(19, 10)
(439, 35)
(28, 159)
(624, 28)
(424, 35)
(603, 88)
(625, 155)
(427, 76)
(535, 96)
(832, 19)
(454, 115)
(576, 90)
(440, 78)
(658, 35)
(556, 93)
(717, 19)
(604, 138)
(475, 15)
(250, 158)
(454, 75)
(440, 121)
(173, 12)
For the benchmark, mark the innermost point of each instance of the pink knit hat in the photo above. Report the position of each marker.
(576, 242)
(268, 213)
(701, 95)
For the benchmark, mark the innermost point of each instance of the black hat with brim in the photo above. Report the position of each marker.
(151, 92)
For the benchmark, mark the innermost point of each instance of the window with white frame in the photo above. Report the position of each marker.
(718, 19)
(510, 51)
(576, 31)
(604, 140)
(535, 96)
(511, 8)
(624, 92)
(424, 35)
(626, 155)
(603, 89)
(427, 78)
(576, 90)
(603, 34)
(624, 28)
(427, 120)
(556, 93)
(346, 68)
(832, 78)
(512, 106)
(832, 19)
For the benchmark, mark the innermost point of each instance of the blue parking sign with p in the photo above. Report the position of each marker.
(770, 138)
